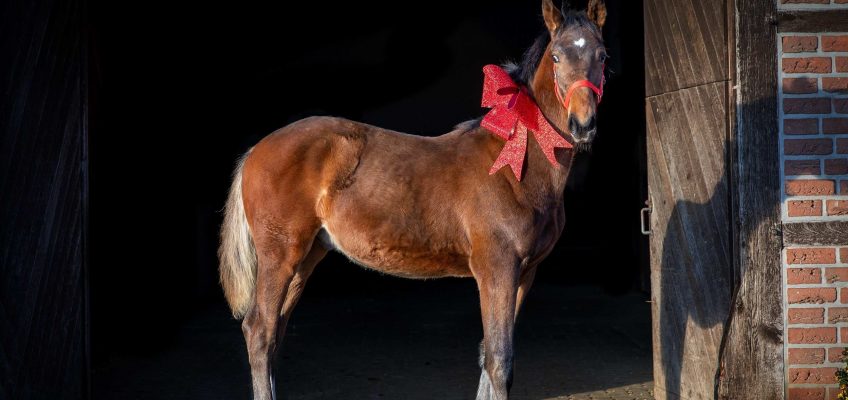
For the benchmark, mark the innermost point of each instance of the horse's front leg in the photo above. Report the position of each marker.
(497, 279)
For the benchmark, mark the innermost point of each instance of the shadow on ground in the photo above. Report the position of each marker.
(416, 342)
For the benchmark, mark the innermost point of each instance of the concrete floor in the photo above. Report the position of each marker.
(419, 342)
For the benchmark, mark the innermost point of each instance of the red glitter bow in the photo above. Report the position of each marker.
(513, 113)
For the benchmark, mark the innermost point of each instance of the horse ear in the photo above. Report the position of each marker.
(552, 15)
(597, 12)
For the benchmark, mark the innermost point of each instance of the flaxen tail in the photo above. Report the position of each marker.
(236, 254)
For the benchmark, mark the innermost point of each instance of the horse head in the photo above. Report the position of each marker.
(578, 60)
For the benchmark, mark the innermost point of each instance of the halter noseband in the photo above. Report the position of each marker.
(599, 91)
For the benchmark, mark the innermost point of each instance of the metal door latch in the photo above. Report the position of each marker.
(645, 215)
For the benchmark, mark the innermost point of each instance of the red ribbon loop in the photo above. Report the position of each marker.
(512, 113)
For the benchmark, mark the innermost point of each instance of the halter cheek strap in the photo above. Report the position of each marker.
(599, 91)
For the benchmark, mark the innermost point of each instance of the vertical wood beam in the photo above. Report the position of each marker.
(752, 363)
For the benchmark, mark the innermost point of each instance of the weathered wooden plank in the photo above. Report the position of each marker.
(752, 360)
(42, 329)
(691, 263)
(829, 233)
(812, 21)
(685, 44)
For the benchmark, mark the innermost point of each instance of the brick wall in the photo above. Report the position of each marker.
(814, 130)
(811, 4)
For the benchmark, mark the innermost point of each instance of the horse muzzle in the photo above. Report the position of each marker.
(583, 133)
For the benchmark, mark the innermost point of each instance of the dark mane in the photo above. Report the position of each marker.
(522, 73)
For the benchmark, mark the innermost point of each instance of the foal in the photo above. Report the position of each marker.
(413, 206)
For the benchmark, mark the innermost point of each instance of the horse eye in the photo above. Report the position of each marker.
(556, 59)
(602, 57)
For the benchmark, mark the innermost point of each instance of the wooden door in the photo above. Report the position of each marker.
(688, 142)
(713, 162)
(42, 201)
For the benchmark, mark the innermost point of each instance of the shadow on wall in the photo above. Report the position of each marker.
(693, 281)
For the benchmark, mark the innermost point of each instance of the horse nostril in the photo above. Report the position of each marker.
(573, 125)
(581, 131)
(590, 124)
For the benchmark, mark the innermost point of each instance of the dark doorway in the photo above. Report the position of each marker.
(180, 90)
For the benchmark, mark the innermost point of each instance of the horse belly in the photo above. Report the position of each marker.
(390, 254)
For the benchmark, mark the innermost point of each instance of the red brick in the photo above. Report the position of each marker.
(843, 189)
(834, 85)
(842, 146)
(802, 167)
(800, 44)
(812, 335)
(839, 274)
(807, 65)
(834, 354)
(832, 391)
(805, 316)
(812, 375)
(837, 207)
(844, 295)
(835, 125)
(811, 295)
(797, 276)
(843, 255)
(841, 64)
(844, 334)
(811, 255)
(836, 315)
(806, 356)
(836, 166)
(820, 105)
(804, 208)
(835, 43)
(806, 126)
(840, 106)
(810, 187)
(795, 147)
(805, 393)
(800, 85)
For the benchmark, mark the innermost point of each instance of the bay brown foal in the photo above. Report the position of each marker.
(411, 206)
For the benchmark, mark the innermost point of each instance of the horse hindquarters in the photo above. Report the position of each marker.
(275, 194)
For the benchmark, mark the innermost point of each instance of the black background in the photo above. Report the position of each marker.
(179, 91)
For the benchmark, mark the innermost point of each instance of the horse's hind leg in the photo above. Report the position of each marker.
(298, 283)
(524, 284)
(278, 263)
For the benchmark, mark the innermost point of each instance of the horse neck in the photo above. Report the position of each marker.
(541, 177)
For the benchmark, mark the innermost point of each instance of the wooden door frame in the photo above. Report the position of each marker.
(752, 361)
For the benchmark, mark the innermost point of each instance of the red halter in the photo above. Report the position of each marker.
(599, 91)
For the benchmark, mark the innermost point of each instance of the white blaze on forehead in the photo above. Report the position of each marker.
(580, 42)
